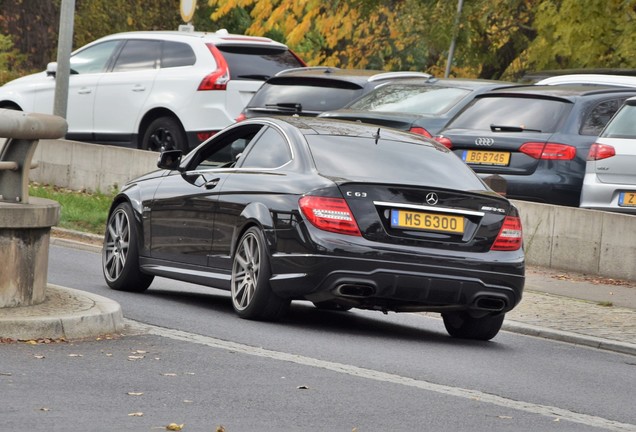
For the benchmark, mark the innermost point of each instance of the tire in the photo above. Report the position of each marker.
(252, 296)
(331, 306)
(462, 325)
(120, 254)
(165, 133)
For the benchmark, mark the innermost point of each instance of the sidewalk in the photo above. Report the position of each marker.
(570, 307)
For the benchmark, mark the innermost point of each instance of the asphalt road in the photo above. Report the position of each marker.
(187, 359)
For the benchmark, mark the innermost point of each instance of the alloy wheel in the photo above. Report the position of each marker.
(116, 245)
(245, 271)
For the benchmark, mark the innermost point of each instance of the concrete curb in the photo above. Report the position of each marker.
(66, 313)
(569, 337)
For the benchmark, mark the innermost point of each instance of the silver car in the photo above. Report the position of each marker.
(610, 174)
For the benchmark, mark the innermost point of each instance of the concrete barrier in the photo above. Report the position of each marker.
(566, 238)
(588, 241)
(91, 167)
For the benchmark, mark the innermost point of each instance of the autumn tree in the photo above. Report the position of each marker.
(589, 34)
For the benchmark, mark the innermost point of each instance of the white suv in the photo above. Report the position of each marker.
(154, 90)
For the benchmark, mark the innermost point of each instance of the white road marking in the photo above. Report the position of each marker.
(475, 395)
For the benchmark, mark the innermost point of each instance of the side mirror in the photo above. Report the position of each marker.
(51, 69)
(169, 159)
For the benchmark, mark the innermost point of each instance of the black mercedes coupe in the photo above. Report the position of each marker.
(341, 214)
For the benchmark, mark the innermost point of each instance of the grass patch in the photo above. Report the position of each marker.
(80, 211)
(605, 303)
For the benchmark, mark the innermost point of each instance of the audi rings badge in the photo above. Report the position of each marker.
(484, 142)
(431, 198)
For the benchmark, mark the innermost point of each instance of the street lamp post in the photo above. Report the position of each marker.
(65, 44)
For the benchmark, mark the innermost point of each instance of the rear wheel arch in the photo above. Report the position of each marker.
(255, 214)
(154, 115)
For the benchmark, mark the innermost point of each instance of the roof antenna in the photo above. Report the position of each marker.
(377, 136)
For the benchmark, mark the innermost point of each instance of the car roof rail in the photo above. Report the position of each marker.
(307, 68)
(400, 74)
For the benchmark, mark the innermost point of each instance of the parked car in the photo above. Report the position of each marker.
(158, 89)
(310, 91)
(610, 174)
(535, 137)
(422, 106)
(337, 213)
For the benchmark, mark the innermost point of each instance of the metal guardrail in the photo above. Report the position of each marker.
(23, 132)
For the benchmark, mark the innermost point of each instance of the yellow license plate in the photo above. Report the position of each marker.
(481, 157)
(627, 199)
(427, 221)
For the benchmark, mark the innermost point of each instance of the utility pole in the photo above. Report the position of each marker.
(64, 46)
(451, 50)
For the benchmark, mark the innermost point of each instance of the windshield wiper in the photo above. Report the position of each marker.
(503, 128)
(287, 106)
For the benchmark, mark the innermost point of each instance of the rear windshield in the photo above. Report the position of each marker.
(623, 124)
(410, 99)
(540, 115)
(395, 162)
(257, 62)
(313, 96)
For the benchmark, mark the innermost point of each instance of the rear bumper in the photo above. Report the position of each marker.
(604, 196)
(438, 286)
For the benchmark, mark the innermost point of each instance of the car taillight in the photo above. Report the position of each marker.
(329, 214)
(446, 142)
(420, 131)
(600, 151)
(218, 79)
(510, 237)
(202, 136)
(548, 151)
(241, 117)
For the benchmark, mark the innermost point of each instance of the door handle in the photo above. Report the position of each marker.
(85, 90)
(139, 88)
(211, 184)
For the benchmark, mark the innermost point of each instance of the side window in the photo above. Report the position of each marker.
(596, 118)
(93, 59)
(225, 152)
(271, 150)
(176, 54)
(138, 55)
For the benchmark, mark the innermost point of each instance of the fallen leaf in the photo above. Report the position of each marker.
(169, 374)
(504, 417)
(557, 419)
(5, 373)
(220, 429)
(133, 358)
(134, 393)
(302, 387)
(45, 409)
(136, 414)
(174, 427)
(76, 355)
(39, 357)
(31, 342)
